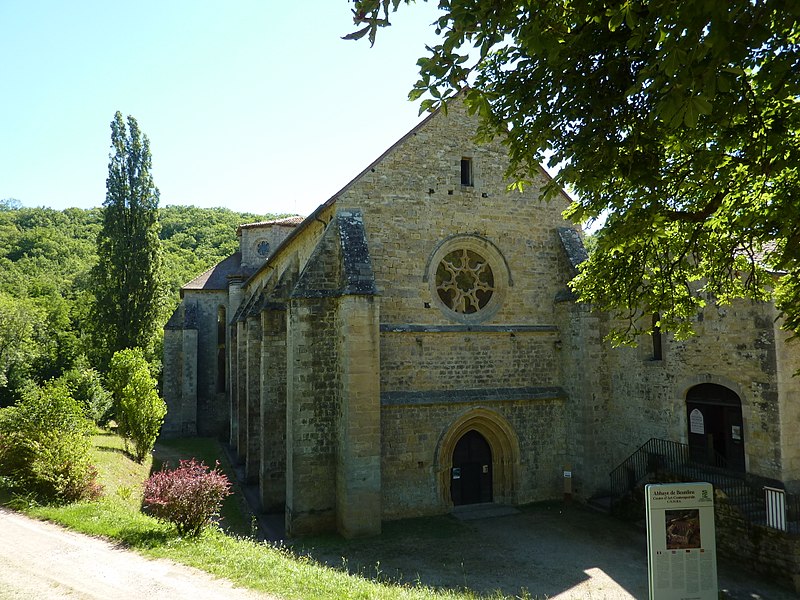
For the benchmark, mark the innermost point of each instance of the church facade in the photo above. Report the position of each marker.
(413, 345)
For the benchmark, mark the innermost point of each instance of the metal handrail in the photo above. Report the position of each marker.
(654, 455)
(659, 459)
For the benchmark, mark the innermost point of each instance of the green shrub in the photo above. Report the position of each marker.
(44, 446)
(138, 409)
(144, 413)
(189, 496)
(85, 386)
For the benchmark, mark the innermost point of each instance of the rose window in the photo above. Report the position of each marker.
(464, 281)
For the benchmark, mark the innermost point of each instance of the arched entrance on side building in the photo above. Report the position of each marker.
(716, 431)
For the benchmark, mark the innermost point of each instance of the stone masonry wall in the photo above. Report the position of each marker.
(295, 256)
(358, 431)
(413, 200)
(272, 476)
(734, 347)
(251, 236)
(233, 388)
(173, 386)
(413, 203)
(757, 548)
(411, 435)
(253, 448)
(312, 402)
(241, 388)
(232, 341)
(437, 360)
(788, 366)
(582, 368)
(212, 415)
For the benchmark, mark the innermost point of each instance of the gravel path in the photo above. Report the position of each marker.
(43, 561)
(551, 551)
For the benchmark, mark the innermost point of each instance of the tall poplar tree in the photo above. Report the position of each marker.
(129, 290)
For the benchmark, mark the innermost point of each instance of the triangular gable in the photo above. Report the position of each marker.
(315, 216)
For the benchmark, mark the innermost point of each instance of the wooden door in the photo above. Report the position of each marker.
(471, 476)
(716, 432)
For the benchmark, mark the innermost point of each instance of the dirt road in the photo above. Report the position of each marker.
(43, 561)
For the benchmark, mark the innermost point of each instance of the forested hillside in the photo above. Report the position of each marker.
(46, 257)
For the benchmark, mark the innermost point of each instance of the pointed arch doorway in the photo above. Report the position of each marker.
(471, 481)
(716, 431)
(484, 438)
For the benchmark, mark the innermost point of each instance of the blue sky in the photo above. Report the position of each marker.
(253, 105)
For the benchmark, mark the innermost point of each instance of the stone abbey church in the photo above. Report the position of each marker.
(413, 345)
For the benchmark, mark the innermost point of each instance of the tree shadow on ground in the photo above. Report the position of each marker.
(547, 550)
(543, 551)
(149, 538)
(117, 450)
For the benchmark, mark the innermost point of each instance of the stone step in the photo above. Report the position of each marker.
(600, 504)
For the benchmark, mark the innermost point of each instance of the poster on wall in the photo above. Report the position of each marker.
(681, 545)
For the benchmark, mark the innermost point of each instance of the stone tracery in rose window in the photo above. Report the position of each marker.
(464, 281)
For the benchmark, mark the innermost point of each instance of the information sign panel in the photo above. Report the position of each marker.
(696, 422)
(681, 545)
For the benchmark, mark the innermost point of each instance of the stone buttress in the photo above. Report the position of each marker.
(333, 451)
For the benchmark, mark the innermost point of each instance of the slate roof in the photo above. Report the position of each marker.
(292, 221)
(216, 278)
(573, 246)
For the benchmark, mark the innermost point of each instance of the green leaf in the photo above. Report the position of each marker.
(357, 35)
(616, 19)
(631, 19)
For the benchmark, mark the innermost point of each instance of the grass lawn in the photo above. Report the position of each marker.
(224, 552)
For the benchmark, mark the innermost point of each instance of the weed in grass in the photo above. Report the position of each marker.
(124, 492)
(22, 502)
(254, 528)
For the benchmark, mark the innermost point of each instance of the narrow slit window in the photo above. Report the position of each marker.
(466, 172)
(658, 351)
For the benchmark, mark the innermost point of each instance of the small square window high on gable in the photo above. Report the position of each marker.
(466, 172)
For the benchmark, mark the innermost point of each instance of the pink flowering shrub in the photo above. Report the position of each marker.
(189, 496)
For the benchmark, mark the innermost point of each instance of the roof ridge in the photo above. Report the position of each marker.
(291, 220)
